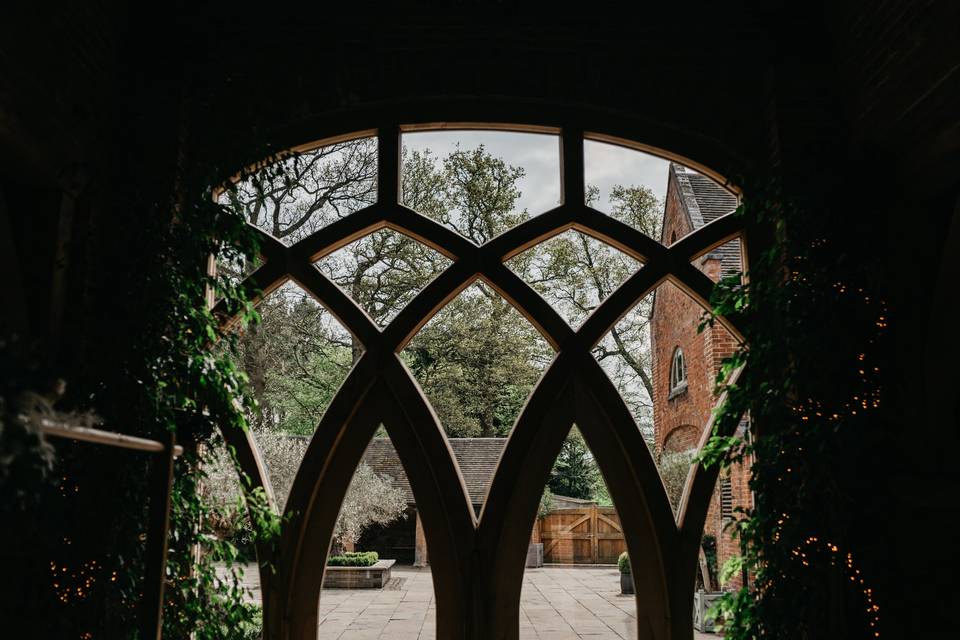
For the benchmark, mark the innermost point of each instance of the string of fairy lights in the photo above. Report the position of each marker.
(866, 399)
(865, 396)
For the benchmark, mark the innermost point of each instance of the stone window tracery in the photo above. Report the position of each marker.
(574, 389)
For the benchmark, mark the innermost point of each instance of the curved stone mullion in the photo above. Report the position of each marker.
(630, 444)
(530, 304)
(530, 232)
(512, 500)
(638, 493)
(269, 277)
(698, 491)
(618, 303)
(443, 502)
(429, 232)
(338, 303)
(337, 234)
(315, 498)
(622, 236)
(428, 431)
(698, 286)
(422, 308)
(707, 238)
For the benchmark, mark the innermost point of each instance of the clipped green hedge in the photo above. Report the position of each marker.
(354, 559)
(623, 563)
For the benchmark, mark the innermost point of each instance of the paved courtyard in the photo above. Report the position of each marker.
(556, 604)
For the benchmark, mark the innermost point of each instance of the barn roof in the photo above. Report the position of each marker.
(704, 201)
(477, 458)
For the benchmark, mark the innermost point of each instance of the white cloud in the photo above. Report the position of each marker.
(538, 154)
(605, 165)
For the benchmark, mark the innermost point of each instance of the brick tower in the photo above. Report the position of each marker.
(685, 361)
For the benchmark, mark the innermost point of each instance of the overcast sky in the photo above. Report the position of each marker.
(606, 165)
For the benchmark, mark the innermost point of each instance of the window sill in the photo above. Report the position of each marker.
(677, 391)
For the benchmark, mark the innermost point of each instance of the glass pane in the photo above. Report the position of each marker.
(574, 272)
(296, 358)
(665, 200)
(383, 271)
(378, 528)
(477, 360)
(305, 191)
(693, 200)
(724, 262)
(480, 183)
(665, 368)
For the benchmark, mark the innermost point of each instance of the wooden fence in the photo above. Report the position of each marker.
(583, 535)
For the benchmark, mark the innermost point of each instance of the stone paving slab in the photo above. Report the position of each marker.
(556, 603)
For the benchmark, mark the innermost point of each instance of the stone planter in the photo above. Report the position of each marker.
(535, 555)
(626, 583)
(373, 577)
(702, 601)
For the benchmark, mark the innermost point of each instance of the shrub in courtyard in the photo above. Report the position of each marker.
(623, 563)
(354, 559)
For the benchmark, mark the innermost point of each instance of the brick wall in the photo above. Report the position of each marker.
(680, 416)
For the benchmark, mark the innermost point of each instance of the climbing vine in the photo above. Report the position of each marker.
(197, 391)
(812, 385)
(144, 367)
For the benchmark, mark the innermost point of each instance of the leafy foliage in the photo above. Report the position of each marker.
(674, 468)
(623, 562)
(546, 502)
(371, 500)
(300, 193)
(575, 473)
(145, 367)
(477, 361)
(812, 384)
(354, 559)
(296, 358)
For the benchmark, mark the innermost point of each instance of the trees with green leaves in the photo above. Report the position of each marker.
(478, 359)
(575, 473)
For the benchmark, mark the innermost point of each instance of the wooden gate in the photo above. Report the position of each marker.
(584, 535)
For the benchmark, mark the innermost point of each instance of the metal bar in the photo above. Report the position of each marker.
(99, 436)
(161, 483)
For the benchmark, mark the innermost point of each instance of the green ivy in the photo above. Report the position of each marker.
(811, 386)
(196, 391)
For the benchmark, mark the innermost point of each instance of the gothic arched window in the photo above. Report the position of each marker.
(678, 371)
(314, 240)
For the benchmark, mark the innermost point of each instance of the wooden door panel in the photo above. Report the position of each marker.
(589, 535)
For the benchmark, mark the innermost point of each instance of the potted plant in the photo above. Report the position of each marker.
(626, 577)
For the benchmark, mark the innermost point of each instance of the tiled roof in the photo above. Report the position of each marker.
(712, 199)
(477, 458)
(704, 201)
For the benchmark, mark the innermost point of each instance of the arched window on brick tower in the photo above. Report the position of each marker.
(678, 373)
(686, 358)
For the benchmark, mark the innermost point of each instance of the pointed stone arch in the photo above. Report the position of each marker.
(478, 562)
